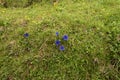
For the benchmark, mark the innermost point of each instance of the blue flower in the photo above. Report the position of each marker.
(62, 48)
(57, 33)
(26, 35)
(57, 42)
(65, 37)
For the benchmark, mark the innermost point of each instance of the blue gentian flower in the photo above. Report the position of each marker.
(62, 48)
(65, 37)
(57, 33)
(57, 42)
(26, 35)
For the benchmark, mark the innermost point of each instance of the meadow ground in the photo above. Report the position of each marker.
(91, 53)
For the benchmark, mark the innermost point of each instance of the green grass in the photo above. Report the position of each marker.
(91, 53)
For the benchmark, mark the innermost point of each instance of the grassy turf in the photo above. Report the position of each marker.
(91, 53)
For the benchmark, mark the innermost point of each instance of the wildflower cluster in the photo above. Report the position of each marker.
(58, 42)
